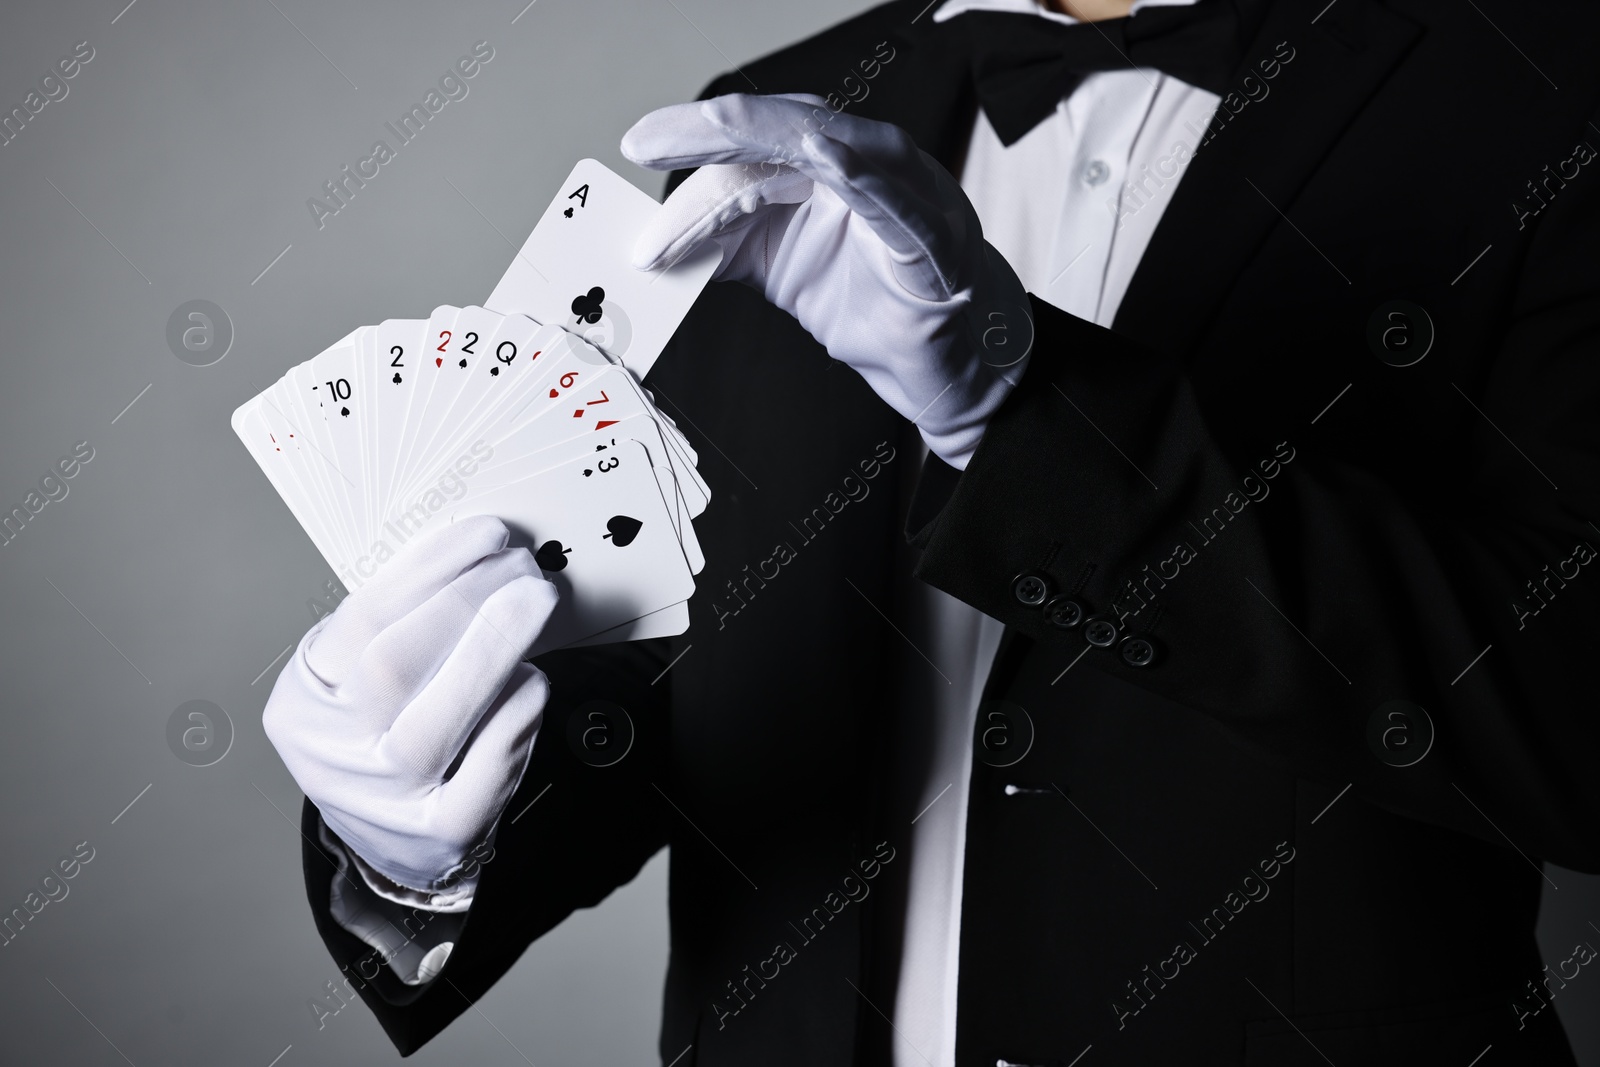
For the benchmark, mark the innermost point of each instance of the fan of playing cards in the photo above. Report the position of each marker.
(513, 412)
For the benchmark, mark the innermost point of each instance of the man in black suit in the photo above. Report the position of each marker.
(1291, 559)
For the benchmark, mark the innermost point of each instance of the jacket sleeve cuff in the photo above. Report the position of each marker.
(386, 918)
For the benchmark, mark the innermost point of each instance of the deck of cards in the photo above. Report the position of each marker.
(529, 408)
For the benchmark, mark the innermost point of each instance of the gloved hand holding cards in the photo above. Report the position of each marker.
(531, 412)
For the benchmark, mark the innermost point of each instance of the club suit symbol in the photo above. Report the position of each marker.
(606, 326)
(551, 557)
(624, 528)
(587, 307)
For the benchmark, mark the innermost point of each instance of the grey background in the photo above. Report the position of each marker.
(170, 572)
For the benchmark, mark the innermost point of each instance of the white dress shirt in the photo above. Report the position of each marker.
(1072, 207)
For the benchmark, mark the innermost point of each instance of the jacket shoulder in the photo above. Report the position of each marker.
(833, 52)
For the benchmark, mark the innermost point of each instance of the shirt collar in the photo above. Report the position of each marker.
(951, 8)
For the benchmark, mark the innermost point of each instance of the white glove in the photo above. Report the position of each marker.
(408, 716)
(865, 239)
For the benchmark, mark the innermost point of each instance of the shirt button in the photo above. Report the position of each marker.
(1030, 588)
(1137, 651)
(1063, 612)
(1096, 172)
(1100, 631)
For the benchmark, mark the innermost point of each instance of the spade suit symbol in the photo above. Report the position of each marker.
(494, 372)
(551, 556)
(463, 364)
(587, 307)
(344, 411)
(624, 528)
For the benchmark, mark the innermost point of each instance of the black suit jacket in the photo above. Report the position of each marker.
(1211, 858)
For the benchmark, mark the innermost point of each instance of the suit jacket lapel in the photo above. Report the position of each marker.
(927, 90)
(1237, 185)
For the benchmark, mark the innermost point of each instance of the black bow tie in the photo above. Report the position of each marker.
(1023, 66)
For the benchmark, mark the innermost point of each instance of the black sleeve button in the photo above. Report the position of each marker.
(1063, 612)
(1100, 631)
(1030, 588)
(1137, 651)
